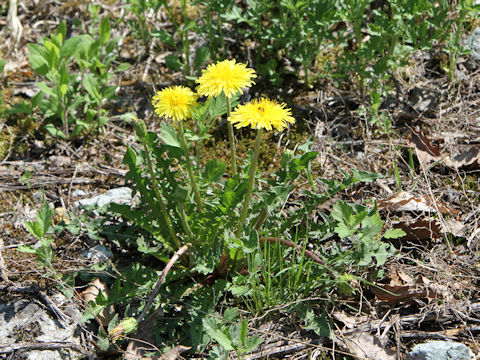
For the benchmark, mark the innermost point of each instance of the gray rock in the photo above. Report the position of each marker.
(26, 321)
(121, 195)
(423, 99)
(98, 253)
(440, 350)
(78, 192)
(473, 43)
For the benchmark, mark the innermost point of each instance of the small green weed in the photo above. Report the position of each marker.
(78, 98)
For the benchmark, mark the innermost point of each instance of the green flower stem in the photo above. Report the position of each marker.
(156, 188)
(231, 138)
(186, 43)
(310, 178)
(196, 193)
(251, 179)
(186, 226)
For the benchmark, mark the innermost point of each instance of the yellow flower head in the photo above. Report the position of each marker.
(263, 113)
(226, 76)
(175, 102)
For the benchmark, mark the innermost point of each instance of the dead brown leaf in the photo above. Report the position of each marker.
(467, 160)
(403, 287)
(405, 201)
(426, 152)
(366, 346)
(90, 294)
(419, 229)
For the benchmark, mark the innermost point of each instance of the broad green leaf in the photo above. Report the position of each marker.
(214, 169)
(211, 328)
(91, 85)
(26, 249)
(76, 45)
(61, 31)
(173, 62)
(394, 233)
(40, 226)
(365, 176)
(230, 314)
(2, 65)
(243, 332)
(45, 89)
(164, 37)
(122, 67)
(55, 132)
(104, 30)
(169, 136)
(252, 343)
(251, 244)
(38, 59)
(201, 56)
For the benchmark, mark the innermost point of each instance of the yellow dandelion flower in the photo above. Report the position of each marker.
(262, 114)
(226, 76)
(175, 102)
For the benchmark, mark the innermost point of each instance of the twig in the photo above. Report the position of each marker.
(165, 271)
(71, 183)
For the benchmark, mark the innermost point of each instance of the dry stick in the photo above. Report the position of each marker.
(291, 244)
(165, 271)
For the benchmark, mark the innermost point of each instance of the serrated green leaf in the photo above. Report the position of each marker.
(230, 314)
(173, 62)
(214, 169)
(164, 37)
(251, 244)
(26, 249)
(394, 233)
(211, 328)
(201, 56)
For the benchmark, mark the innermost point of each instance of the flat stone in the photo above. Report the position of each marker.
(440, 350)
(121, 195)
(473, 43)
(98, 253)
(26, 321)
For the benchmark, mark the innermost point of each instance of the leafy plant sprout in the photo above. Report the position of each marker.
(228, 77)
(259, 114)
(177, 103)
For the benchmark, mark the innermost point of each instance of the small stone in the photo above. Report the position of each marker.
(440, 350)
(79, 192)
(121, 195)
(98, 253)
(473, 43)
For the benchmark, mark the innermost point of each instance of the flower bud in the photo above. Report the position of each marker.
(140, 128)
(125, 327)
